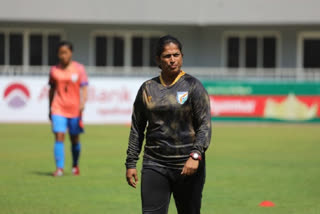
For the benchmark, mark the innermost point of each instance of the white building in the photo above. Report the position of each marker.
(278, 38)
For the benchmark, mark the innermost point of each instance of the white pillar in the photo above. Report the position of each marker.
(146, 51)
(127, 51)
(242, 51)
(25, 47)
(45, 49)
(6, 48)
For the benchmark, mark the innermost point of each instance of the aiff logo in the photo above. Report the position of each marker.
(16, 95)
(182, 97)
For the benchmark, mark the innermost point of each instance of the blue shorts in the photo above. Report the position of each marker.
(61, 124)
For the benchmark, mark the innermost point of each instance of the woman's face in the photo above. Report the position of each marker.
(170, 60)
(64, 55)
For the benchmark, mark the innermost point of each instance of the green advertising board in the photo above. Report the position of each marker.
(264, 101)
(261, 88)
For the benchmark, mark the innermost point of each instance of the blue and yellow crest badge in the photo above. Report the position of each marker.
(182, 97)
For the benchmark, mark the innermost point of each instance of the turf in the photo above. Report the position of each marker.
(246, 164)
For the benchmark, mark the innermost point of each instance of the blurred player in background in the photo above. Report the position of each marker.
(67, 97)
(175, 109)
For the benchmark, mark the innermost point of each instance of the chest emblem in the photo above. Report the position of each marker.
(182, 97)
(74, 77)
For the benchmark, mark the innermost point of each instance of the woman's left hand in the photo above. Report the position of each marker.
(190, 167)
(82, 107)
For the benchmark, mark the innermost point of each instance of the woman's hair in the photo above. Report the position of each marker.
(65, 43)
(163, 41)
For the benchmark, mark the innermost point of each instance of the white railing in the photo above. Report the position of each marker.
(281, 74)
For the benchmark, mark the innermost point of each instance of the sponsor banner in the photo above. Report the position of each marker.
(261, 88)
(25, 99)
(288, 108)
(110, 100)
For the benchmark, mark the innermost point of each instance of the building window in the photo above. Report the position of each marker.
(233, 52)
(311, 53)
(35, 49)
(251, 51)
(2, 49)
(128, 50)
(251, 55)
(152, 44)
(118, 51)
(137, 51)
(101, 51)
(269, 52)
(109, 50)
(53, 41)
(16, 49)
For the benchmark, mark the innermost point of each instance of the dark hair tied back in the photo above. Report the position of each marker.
(163, 41)
(65, 43)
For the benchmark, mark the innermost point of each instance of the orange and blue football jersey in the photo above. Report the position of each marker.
(67, 83)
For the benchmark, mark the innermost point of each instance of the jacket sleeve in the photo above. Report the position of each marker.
(201, 117)
(51, 79)
(138, 125)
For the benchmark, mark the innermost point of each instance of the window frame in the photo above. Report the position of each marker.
(300, 46)
(26, 32)
(242, 35)
(127, 36)
(4, 48)
(41, 53)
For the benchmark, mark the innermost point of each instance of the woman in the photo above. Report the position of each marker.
(67, 97)
(175, 109)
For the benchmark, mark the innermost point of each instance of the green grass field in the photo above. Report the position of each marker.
(246, 164)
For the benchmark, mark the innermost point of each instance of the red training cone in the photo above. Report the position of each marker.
(266, 204)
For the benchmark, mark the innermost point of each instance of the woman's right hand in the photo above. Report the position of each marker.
(49, 115)
(132, 177)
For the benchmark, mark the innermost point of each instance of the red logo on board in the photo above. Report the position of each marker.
(16, 95)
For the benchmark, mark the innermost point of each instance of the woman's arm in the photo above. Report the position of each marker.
(138, 125)
(51, 95)
(83, 97)
(202, 118)
(202, 122)
(52, 89)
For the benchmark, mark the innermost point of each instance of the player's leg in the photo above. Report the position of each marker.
(75, 151)
(155, 192)
(75, 129)
(187, 192)
(59, 127)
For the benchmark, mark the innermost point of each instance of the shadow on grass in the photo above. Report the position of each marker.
(42, 173)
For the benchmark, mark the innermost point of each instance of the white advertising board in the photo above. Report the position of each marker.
(110, 100)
